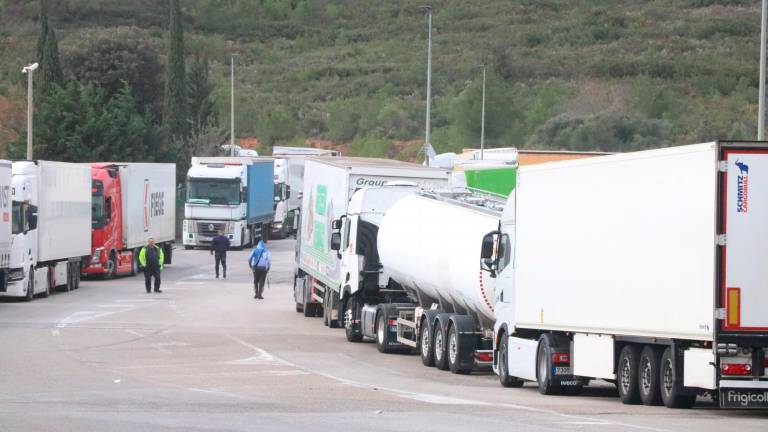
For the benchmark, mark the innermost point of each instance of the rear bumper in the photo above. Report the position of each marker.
(743, 394)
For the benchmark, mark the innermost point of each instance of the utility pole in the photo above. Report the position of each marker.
(232, 106)
(30, 105)
(482, 121)
(427, 143)
(761, 109)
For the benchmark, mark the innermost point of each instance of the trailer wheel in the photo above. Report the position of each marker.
(440, 346)
(503, 366)
(76, 276)
(134, 262)
(671, 388)
(425, 343)
(544, 366)
(648, 378)
(455, 352)
(50, 284)
(627, 374)
(30, 286)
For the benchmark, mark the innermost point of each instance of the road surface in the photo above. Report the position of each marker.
(206, 356)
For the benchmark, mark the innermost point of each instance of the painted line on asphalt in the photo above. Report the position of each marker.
(440, 400)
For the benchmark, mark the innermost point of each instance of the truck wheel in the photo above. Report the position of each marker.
(30, 286)
(326, 308)
(50, 284)
(382, 333)
(299, 307)
(76, 276)
(627, 373)
(308, 309)
(188, 247)
(111, 266)
(455, 352)
(134, 262)
(351, 315)
(265, 230)
(671, 388)
(544, 366)
(503, 366)
(333, 305)
(168, 251)
(648, 379)
(440, 347)
(425, 344)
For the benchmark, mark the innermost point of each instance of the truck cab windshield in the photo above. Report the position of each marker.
(216, 192)
(98, 218)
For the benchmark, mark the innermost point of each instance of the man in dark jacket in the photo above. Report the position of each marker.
(219, 247)
(152, 258)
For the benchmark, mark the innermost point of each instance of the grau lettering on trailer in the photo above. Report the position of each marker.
(364, 182)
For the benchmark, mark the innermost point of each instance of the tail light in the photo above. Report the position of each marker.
(484, 356)
(392, 322)
(738, 369)
(561, 358)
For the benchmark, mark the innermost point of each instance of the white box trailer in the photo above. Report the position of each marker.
(5, 221)
(329, 184)
(149, 196)
(647, 268)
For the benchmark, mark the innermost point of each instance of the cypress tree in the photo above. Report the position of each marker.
(50, 66)
(43, 29)
(175, 118)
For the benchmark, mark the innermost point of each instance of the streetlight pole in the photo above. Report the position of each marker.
(30, 106)
(427, 142)
(761, 109)
(482, 121)
(232, 106)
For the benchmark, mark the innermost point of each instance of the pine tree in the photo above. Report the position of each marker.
(175, 118)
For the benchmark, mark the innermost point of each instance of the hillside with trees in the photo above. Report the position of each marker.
(562, 74)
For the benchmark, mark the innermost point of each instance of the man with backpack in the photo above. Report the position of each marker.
(260, 262)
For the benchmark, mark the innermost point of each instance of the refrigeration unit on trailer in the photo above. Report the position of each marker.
(51, 226)
(329, 184)
(643, 268)
(131, 203)
(231, 194)
(411, 275)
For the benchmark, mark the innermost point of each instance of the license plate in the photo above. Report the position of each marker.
(564, 370)
(743, 398)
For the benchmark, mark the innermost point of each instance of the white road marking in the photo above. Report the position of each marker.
(55, 332)
(162, 346)
(134, 332)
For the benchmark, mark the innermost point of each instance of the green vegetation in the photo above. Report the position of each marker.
(566, 74)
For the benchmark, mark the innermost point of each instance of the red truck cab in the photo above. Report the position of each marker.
(108, 256)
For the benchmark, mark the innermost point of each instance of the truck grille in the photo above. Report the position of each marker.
(209, 229)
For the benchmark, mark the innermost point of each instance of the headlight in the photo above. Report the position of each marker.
(96, 257)
(16, 274)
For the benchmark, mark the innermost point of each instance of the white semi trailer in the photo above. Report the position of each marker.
(51, 219)
(329, 184)
(647, 269)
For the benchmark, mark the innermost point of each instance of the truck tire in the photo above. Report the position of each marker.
(326, 308)
(111, 266)
(168, 251)
(670, 384)
(134, 262)
(456, 351)
(648, 376)
(30, 286)
(503, 366)
(299, 307)
(50, 284)
(77, 275)
(382, 333)
(544, 365)
(440, 345)
(333, 305)
(425, 343)
(351, 318)
(627, 374)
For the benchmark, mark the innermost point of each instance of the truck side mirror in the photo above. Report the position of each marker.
(32, 220)
(336, 224)
(487, 261)
(336, 241)
(287, 192)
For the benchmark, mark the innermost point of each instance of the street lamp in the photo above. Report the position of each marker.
(761, 106)
(28, 70)
(482, 120)
(233, 146)
(428, 150)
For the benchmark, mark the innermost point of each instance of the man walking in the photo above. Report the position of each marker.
(151, 258)
(219, 247)
(260, 262)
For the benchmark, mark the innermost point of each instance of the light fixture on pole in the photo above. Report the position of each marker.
(233, 146)
(428, 150)
(482, 120)
(761, 103)
(29, 70)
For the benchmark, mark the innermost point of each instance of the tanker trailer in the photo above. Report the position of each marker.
(432, 294)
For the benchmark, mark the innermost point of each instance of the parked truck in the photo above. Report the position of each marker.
(6, 186)
(329, 184)
(234, 195)
(646, 269)
(130, 203)
(410, 280)
(51, 227)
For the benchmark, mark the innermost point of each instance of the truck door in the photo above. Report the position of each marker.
(744, 258)
(350, 261)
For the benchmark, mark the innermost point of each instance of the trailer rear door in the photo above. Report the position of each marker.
(744, 284)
